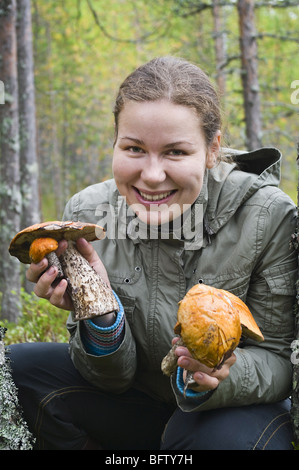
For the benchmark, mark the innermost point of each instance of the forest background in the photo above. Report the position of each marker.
(80, 51)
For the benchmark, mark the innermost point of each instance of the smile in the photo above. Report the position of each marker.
(154, 197)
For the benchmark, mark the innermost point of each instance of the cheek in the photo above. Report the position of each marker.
(124, 171)
(118, 167)
(191, 178)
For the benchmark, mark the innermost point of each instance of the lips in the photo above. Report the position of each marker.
(154, 196)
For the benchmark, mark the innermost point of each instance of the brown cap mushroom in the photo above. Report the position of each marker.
(91, 296)
(210, 323)
(57, 230)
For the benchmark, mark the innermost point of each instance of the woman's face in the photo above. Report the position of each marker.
(159, 159)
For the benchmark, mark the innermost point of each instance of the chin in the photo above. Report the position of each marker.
(155, 219)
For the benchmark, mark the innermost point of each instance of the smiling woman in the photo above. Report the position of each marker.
(160, 157)
(229, 223)
(167, 133)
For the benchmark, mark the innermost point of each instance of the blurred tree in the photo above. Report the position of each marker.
(249, 74)
(27, 125)
(10, 194)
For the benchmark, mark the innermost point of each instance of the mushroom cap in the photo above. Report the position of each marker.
(58, 230)
(41, 247)
(210, 323)
(249, 326)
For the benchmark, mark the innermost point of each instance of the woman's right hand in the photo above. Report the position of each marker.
(56, 293)
(44, 278)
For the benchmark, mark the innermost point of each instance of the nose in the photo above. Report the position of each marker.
(153, 171)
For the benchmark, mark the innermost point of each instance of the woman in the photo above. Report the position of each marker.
(176, 214)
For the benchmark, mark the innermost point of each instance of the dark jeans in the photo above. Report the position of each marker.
(65, 412)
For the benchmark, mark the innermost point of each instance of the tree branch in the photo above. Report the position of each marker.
(277, 36)
(143, 38)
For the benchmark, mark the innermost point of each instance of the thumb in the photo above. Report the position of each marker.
(86, 249)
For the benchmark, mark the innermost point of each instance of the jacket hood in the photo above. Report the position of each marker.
(230, 184)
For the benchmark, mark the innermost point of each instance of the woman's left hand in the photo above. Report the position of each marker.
(206, 378)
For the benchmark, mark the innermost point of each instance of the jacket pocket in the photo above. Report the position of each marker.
(282, 279)
(235, 283)
(278, 297)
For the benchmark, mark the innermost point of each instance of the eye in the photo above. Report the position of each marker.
(135, 149)
(176, 152)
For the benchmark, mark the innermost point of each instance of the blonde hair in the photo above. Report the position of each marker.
(178, 81)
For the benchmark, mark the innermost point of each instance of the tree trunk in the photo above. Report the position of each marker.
(219, 47)
(27, 125)
(10, 175)
(295, 344)
(250, 83)
(28, 156)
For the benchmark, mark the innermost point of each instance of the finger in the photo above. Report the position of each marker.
(175, 340)
(59, 297)
(86, 249)
(182, 351)
(62, 246)
(223, 372)
(204, 382)
(35, 270)
(43, 287)
(186, 361)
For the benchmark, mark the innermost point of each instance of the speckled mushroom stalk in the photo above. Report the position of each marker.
(91, 296)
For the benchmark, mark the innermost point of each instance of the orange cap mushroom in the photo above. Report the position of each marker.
(41, 247)
(90, 294)
(210, 322)
(57, 230)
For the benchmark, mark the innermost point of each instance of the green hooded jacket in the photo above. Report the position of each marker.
(236, 237)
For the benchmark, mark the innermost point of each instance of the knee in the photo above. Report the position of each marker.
(20, 360)
(265, 427)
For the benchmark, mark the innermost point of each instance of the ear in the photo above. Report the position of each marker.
(213, 150)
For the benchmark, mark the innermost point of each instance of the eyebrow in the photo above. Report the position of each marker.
(137, 141)
(167, 146)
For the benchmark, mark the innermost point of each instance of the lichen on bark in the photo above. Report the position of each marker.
(14, 432)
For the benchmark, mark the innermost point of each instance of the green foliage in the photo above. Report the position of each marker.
(80, 62)
(40, 321)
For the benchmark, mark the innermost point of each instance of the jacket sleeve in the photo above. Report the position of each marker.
(263, 371)
(112, 372)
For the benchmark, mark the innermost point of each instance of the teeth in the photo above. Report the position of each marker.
(155, 197)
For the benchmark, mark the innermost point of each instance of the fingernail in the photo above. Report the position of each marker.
(179, 350)
(41, 264)
(184, 362)
(199, 375)
(51, 271)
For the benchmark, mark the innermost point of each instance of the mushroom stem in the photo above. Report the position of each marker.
(53, 260)
(91, 296)
(169, 362)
